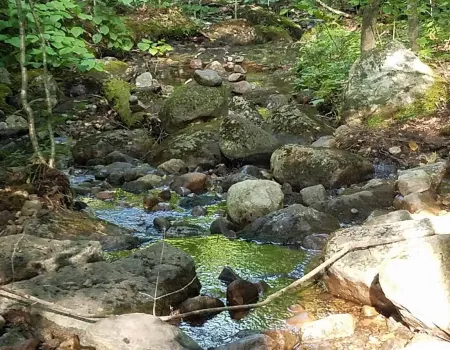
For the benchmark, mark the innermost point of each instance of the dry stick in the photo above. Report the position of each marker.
(349, 247)
(336, 12)
(171, 293)
(159, 271)
(24, 88)
(51, 161)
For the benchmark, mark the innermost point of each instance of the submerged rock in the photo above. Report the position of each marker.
(138, 332)
(239, 139)
(199, 303)
(306, 166)
(251, 199)
(289, 225)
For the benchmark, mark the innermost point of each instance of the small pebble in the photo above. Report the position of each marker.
(354, 211)
(395, 150)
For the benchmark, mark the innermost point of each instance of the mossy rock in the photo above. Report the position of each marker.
(112, 69)
(197, 144)
(118, 93)
(259, 16)
(5, 91)
(191, 102)
(271, 33)
(160, 23)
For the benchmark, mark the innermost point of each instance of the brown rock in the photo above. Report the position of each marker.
(418, 202)
(196, 63)
(30, 344)
(151, 201)
(105, 195)
(196, 182)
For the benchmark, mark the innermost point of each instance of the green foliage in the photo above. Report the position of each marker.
(326, 55)
(158, 48)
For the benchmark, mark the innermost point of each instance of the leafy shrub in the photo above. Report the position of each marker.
(326, 56)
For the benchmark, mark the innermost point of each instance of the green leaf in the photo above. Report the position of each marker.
(50, 51)
(65, 50)
(77, 31)
(104, 30)
(98, 20)
(96, 38)
(283, 12)
(153, 51)
(143, 46)
(85, 17)
(14, 41)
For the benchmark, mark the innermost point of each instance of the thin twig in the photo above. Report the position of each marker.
(336, 12)
(347, 248)
(159, 271)
(171, 293)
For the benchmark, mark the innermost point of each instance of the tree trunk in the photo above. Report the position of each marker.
(369, 23)
(413, 24)
(24, 88)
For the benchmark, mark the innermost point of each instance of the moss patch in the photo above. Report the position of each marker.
(271, 33)
(118, 93)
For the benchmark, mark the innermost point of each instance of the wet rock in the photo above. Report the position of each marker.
(256, 342)
(2, 322)
(116, 286)
(315, 241)
(165, 195)
(161, 223)
(199, 211)
(254, 171)
(134, 143)
(242, 87)
(132, 331)
(197, 145)
(182, 191)
(325, 141)
(331, 327)
(355, 276)
(406, 291)
(228, 275)
(241, 140)
(173, 166)
(105, 195)
(30, 344)
(207, 77)
(143, 184)
(79, 206)
(305, 166)
(299, 320)
(191, 102)
(289, 225)
(70, 225)
(222, 226)
(389, 218)
(150, 201)
(181, 230)
(195, 182)
(137, 172)
(242, 292)
(235, 77)
(34, 256)
(383, 88)
(313, 194)
(202, 200)
(232, 179)
(199, 303)
(116, 156)
(290, 125)
(217, 66)
(251, 199)
(413, 181)
(358, 206)
(31, 208)
(163, 207)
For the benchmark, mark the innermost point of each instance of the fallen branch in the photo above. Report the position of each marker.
(336, 12)
(346, 249)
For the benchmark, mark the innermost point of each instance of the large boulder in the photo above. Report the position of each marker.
(289, 225)
(122, 286)
(390, 82)
(135, 143)
(78, 226)
(423, 299)
(251, 199)
(240, 139)
(436, 172)
(196, 145)
(302, 166)
(23, 256)
(291, 125)
(191, 102)
(355, 276)
(138, 332)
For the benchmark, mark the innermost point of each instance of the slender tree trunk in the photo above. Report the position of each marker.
(24, 88)
(369, 23)
(48, 98)
(413, 24)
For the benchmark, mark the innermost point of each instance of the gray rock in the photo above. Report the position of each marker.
(436, 172)
(161, 223)
(413, 181)
(251, 199)
(207, 77)
(222, 226)
(3, 126)
(198, 211)
(4, 76)
(34, 256)
(316, 241)
(217, 66)
(16, 122)
(137, 332)
(325, 141)
(241, 140)
(143, 184)
(117, 156)
(239, 69)
(2, 322)
(174, 166)
(242, 87)
(330, 327)
(313, 194)
(389, 218)
(145, 80)
(31, 208)
(253, 342)
(277, 101)
(232, 179)
(289, 225)
(306, 166)
(235, 77)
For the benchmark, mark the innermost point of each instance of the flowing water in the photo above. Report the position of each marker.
(276, 265)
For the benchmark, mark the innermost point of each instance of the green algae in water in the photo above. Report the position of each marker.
(251, 261)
